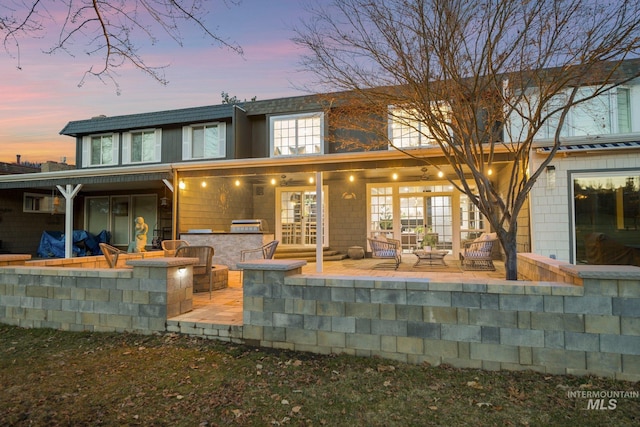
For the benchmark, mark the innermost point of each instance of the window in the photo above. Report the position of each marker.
(43, 203)
(205, 141)
(100, 150)
(606, 205)
(606, 114)
(297, 135)
(381, 211)
(142, 146)
(407, 130)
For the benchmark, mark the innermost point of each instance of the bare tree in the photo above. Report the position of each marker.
(481, 78)
(111, 30)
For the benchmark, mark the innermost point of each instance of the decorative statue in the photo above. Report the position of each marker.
(141, 229)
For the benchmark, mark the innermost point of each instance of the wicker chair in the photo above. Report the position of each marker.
(202, 270)
(169, 246)
(477, 254)
(386, 249)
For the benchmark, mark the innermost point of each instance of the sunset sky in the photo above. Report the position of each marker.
(38, 100)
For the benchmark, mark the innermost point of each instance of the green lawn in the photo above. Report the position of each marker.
(50, 378)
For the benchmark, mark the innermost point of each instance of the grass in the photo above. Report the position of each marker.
(54, 378)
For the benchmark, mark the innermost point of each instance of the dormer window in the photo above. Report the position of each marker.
(204, 141)
(296, 135)
(100, 150)
(142, 146)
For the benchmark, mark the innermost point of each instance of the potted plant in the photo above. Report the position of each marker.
(429, 241)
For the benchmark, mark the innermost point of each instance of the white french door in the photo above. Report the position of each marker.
(297, 216)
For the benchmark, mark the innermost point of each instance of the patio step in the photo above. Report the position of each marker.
(307, 254)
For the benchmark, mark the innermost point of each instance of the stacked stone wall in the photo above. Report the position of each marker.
(550, 327)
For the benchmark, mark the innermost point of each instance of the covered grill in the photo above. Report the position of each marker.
(247, 226)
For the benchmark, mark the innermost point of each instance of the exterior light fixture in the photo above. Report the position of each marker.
(311, 180)
(273, 181)
(237, 183)
(440, 174)
(551, 177)
(204, 184)
(351, 178)
(182, 185)
(394, 176)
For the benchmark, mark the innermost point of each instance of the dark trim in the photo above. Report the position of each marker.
(103, 179)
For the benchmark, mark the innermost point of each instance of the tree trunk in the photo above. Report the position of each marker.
(511, 257)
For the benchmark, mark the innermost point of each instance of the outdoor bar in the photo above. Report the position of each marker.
(243, 235)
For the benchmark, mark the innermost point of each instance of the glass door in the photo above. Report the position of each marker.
(426, 221)
(298, 217)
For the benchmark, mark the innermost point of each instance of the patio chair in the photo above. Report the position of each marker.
(169, 246)
(202, 270)
(266, 251)
(386, 249)
(111, 254)
(477, 254)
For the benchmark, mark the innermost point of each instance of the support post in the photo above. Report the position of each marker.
(69, 192)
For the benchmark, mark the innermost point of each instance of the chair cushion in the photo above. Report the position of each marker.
(386, 253)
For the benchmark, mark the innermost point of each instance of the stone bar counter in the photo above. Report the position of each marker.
(227, 246)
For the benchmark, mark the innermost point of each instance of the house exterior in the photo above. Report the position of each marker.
(283, 161)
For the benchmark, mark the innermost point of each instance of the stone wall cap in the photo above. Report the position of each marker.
(272, 264)
(14, 257)
(162, 262)
(603, 271)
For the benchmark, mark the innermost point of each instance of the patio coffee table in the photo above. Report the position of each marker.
(433, 256)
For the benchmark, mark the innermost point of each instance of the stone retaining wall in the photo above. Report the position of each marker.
(81, 299)
(550, 327)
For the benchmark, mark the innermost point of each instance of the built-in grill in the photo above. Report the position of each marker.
(247, 226)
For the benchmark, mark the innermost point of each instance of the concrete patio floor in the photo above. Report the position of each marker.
(225, 305)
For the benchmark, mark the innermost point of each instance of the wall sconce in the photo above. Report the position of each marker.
(273, 181)
(182, 185)
(351, 178)
(311, 180)
(551, 177)
(440, 174)
(182, 270)
(394, 176)
(237, 183)
(203, 184)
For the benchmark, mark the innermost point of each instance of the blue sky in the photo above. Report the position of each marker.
(40, 98)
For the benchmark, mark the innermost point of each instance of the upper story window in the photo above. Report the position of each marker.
(297, 134)
(606, 114)
(142, 146)
(406, 130)
(100, 150)
(204, 141)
